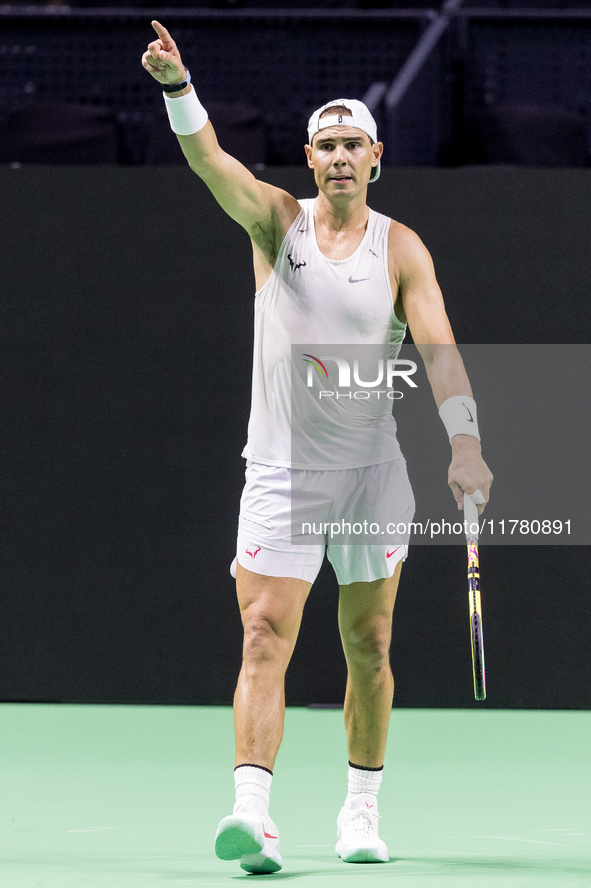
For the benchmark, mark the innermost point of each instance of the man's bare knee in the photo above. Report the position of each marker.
(367, 650)
(262, 642)
(259, 634)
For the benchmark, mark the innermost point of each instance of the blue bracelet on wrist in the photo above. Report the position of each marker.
(176, 87)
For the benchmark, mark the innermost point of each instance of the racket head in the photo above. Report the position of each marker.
(476, 633)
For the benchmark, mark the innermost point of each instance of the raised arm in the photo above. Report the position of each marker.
(264, 211)
(420, 302)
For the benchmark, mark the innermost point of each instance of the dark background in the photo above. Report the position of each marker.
(448, 84)
(125, 345)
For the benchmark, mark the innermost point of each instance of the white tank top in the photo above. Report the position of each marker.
(309, 307)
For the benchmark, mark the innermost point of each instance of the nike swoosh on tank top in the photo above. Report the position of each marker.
(313, 301)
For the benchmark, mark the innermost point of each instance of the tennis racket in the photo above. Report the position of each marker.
(472, 527)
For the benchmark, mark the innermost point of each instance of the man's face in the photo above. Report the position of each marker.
(343, 159)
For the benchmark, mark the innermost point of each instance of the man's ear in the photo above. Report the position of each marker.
(378, 150)
(308, 150)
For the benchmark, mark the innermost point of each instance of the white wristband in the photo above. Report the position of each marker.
(186, 113)
(458, 415)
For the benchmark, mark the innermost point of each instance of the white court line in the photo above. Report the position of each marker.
(511, 839)
(567, 832)
(95, 829)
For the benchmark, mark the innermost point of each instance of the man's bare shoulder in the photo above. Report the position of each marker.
(404, 238)
(406, 250)
(268, 231)
(283, 206)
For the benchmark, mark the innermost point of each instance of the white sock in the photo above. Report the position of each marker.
(364, 785)
(253, 788)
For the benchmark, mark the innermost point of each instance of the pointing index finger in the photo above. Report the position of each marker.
(162, 32)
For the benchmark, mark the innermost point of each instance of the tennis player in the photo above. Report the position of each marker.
(328, 270)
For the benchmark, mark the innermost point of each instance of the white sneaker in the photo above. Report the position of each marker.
(251, 837)
(357, 829)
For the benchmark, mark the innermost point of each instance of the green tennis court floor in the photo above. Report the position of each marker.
(129, 797)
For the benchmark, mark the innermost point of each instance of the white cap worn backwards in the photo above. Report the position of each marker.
(360, 117)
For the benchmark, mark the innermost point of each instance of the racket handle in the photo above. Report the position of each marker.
(471, 513)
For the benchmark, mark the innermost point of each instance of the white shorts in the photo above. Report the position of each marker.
(269, 541)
